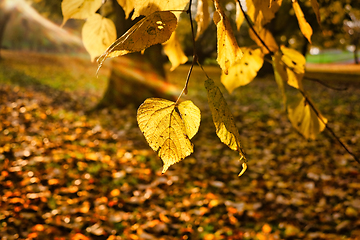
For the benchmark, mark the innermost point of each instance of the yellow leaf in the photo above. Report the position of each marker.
(280, 73)
(267, 38)
(153, 29)
(79, 9)
(147, 7)
(303, 24)
(227, 47)
(295, 66)
(304, 118)
(315, 6)
(239, 16)
(174, 52)
(168, 128)
(261, 11)
(127, 5)
(202, 17)
(97, 34)
(223, 119)
(244, 71)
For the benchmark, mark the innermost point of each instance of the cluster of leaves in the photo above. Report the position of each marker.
(169, 126)
(67, 175)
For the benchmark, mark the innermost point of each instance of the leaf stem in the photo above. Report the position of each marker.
(329, 128)
(253, 29)
(324, 84)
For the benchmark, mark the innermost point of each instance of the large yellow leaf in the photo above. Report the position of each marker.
(153, 29)
(261, 11)
(223, 119)
(127, 5)
(245, 70)
(304, 118)
(97, 34)
(267, 37)
(172, 49)
(227, 47)
(202, 17)
(168, 128)
(303, 24)
(79, 9)
(147, 7)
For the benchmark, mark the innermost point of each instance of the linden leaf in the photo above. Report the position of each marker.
(174, 52)
(79, 9)
(315, 6)
(303, 118)
(227, 47)
(127, 5)
(223, 119)
(295, 66)
(244, 71)
(168, 128)
(202, 17)
(153, 29)
(267, 38)
(239, 18)
(147, 7)
(303, 24)
(261, 11)
(280, 74)
(97, 34)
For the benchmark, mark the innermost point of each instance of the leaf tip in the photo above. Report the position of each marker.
(244, 167)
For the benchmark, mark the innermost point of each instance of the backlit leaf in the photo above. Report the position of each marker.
(303, 24)
(173, 50)
(261, 11)
(223, 119)
(239, 16)
(97, 34)
(244, 71)
(267, 38)
(127, 5)
(295, 66)
(227, 47)
(168, 128)
(202, 17)
(79, 9)
(147, 7)
(304, 118)
(151, 30)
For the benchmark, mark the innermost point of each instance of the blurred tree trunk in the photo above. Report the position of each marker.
(135, 77)
(4, 19)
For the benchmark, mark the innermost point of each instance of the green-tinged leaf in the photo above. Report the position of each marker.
(303, 24)
(227, 48)
(280, 74)
(79, 9)
(168, 128)
(97, 34)
(304, 118)
(245, 70)
(153, 29)
(222, 118)
(147, 7)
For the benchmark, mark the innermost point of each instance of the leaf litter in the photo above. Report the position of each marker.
(67, 174)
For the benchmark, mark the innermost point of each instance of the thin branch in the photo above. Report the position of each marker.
(329, 128)
(253, 29)
(324, 84)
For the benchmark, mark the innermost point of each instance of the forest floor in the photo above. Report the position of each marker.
(65, 174)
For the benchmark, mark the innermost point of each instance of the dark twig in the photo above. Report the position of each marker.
(253, 29)
(329, 128)
(324, 84)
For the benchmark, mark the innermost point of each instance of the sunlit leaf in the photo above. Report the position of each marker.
(173, 50)
(304, 118)
(127, 5)
(147, 7)
(295, 66)
(153, 29)
(79, 9)
(168, 128)
(267, 37)
(223, 119)
(261, 11)
(303, 24)
(244, 71)
(315, 6)
(239, 16)
(227, 47)
(202, 17)
(97, 34)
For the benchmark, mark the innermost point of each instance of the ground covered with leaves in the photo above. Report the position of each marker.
(70, 174)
